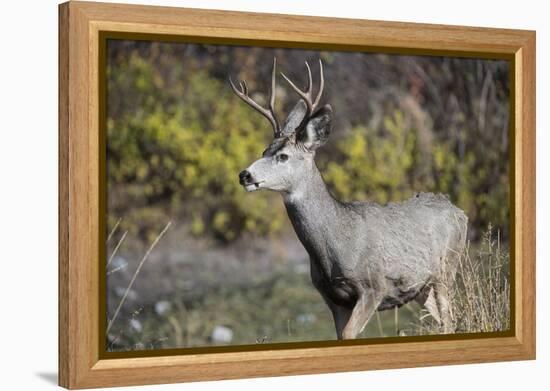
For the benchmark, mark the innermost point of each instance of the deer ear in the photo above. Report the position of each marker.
(294, 118)
(317, 129)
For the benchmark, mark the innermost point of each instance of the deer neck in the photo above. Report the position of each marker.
(312, 210)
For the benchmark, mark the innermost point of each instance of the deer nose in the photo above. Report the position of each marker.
(245, 177)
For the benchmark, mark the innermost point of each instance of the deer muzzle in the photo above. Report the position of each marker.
(247, 181)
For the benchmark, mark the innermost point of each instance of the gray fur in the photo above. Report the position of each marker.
(364, 256)
(294, 119)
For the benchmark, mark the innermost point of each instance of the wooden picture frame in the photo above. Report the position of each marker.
(81, 160)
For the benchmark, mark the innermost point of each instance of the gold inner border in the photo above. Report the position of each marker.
(104, 36)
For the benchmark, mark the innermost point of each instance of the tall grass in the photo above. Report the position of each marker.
(138, 269)
(479, 293)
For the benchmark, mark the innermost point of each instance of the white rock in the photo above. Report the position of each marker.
(222, 334)
(136, 325)
(132, 294)
(162, 307)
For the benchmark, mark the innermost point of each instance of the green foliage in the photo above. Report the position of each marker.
(374, 165)
(177, 138)
(183, 157)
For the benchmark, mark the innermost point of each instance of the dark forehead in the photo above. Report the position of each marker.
(276, 145)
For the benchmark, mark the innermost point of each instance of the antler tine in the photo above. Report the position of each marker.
(272, 92)
(307, 96)
(269, 114)
(309, 81)
(321, 84)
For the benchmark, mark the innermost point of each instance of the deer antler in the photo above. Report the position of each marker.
(307, 95)
(268, 113)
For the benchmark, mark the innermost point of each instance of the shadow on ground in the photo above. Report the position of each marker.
(49, 377)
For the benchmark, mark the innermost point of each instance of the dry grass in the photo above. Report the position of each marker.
(479, 294)
(140, 265)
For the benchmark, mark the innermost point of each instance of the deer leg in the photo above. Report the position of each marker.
(340, 315)
(364, 309)
(442, 301)
(427, 299)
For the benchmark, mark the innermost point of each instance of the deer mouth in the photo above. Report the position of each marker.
(253, 186)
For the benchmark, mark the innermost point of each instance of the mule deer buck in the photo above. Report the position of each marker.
(363, 256)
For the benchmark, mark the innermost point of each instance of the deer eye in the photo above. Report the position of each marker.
(282, 157)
